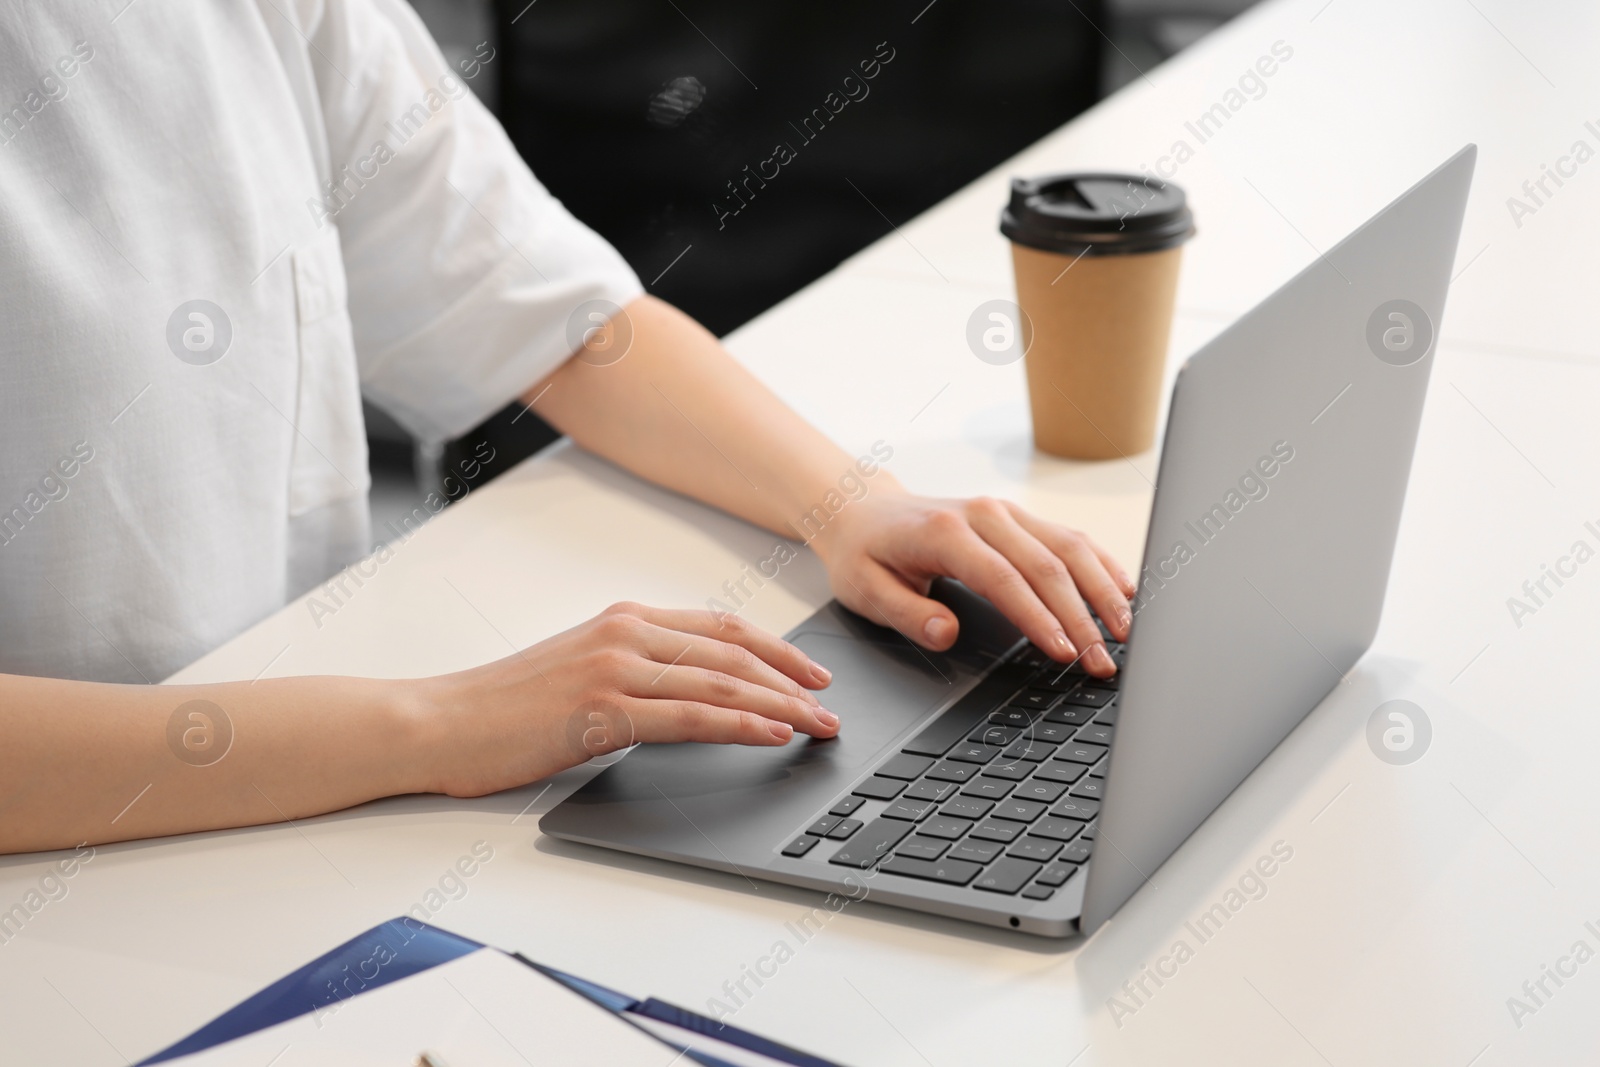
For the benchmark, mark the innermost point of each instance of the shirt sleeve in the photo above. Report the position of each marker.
(466, 278)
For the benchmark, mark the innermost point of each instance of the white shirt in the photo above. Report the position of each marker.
(156, 500)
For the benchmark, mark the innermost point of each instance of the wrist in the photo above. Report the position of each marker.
(416, 716)
(840, 530)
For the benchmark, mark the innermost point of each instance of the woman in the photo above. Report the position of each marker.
(223, 225)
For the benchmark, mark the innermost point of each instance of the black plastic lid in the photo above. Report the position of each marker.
(1097, 214)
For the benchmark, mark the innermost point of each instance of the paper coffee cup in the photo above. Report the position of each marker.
(1096, 260)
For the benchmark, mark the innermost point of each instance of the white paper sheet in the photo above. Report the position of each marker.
(483, 1009)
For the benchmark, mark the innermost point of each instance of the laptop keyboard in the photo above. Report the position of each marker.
(1000, 793)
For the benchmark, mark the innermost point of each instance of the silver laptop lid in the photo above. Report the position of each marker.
(1282, 477)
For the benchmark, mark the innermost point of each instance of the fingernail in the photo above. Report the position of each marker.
(1064, 644)
(821, 673)
(781, 730)
(1100, 659)
(937, 630)
(827, 718)
(1124, 618)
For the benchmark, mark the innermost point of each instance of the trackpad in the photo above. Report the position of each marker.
(720, 804)
(878, 690)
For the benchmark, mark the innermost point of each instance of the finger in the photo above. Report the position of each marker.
(1086, 562)
(666, 645)
(1047, 531)
(1113, 567)
(671, 721)
(1050, 577)
(699, 685)
(877, 593)
(726, 626)
(964, 555)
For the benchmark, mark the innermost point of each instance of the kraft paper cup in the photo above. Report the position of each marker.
(1096, 261)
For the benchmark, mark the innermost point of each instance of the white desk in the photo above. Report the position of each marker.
(1418, 898)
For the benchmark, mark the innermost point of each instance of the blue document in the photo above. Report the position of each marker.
(404, 988)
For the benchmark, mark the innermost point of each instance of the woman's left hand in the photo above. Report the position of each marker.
(884, 550)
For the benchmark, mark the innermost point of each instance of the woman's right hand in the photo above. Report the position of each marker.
(631, 674)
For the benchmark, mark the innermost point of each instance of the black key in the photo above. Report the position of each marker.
(951, 771)
(871, 844)
(957, 722)
(879, 788)
(1082, 810)
(1064, 681)
(909, 810)
(906, 766)
(1035, 848)
(1018, 810)
(977, 851)
(1052, 732)
(1078, 752)
(1106, 716)
(922, 848)
(967, 808)
(973, 752)
(995, 830)
(1012, 717)
(997, 735)
(1031, 749)
(845, 828)
(1094, 734)
(926, 790)
(949, 871)
(1007, 875)
(937, 737)
(846, 806)
(1090, 788)
(1033, 789)
(1038, 892)
(1056, 771)
(821, 827)
(1089, 697)
(1090, 831)
(1076, 851)
(1034, 699)
(1112, 683)
(1056, 874)
(1056, 829)
(945, 827)
(1069, 715)
(800, 846)
(987, 788)
(1033, 656)
(1010, 770)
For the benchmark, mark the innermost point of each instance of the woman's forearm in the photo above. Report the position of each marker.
(678, 410)
(675, 407)
(83, 762)
(89, 762)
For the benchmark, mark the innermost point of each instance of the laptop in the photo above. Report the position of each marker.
(993, 784)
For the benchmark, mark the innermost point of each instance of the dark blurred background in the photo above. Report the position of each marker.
(658, 123)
